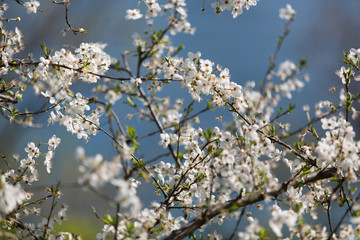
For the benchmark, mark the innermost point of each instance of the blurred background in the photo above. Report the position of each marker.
(322, 30)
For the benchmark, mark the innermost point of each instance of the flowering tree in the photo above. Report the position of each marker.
(203, 176)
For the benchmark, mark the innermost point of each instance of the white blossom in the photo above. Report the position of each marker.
(32, 6)
(287, 13)
(10, 196)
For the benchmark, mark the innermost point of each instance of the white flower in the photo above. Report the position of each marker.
(329, 123)
(286, 70)
(280, 217)
(133, 14)
(136, 81)
(53, 142)
(32, 150)
(62, 213)
(165, 169)
(112, 96)
(48, 95)
(10, 196)
(95, 170)
(32, 6)
(306, 108)
(287, 13)
(126, 194)
(194, 56)
(343, 73)
(48, 162)
(153, 9)
(165, 140)
(354, 54)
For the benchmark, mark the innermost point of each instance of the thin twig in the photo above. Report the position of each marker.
(237, 223)
(342, 219)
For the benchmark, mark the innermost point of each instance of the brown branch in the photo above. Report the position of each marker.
(6, 98)
(82, 70)
(249, 199)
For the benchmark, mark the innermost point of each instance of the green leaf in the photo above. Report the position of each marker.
(303, 63)
(10, 93)
(133, 136)
(15, 112)
(138, 49)
(151, 76)
(154, 52)
(189, 108)
(19, 96)
(202, 176)
(297, 145)
(108, 107)
(208, 133)
(131, 132)
(348, 101)
(281, 39)
(117, 66)
(313, 131)
(130, 102)
(233, 207)
(272, 130)
(263, 234)
(45, 50)
(218, 152)
(139, 164)
(210, 149)
(298, 207)
(291, 107)
(143, 175)
(209, 106)
(178, 49)
(154, 35)
(108, 219)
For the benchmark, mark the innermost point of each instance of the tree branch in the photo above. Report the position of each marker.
(249, 199)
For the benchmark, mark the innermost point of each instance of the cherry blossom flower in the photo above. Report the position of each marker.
(344, 74)
(10, 196)
(287, 13)
(153, 9)
(48, 162)
(32, 150)
(53, 142)
(133, 14)
(281, 217)
(32, 6)
(354, 55)
(165, 140)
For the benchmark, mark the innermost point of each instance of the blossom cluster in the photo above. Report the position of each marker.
(200, 79)
(52, 77)
(205, 175)
(176, 8)
(11, 43)
(97, 172)
(338, 148)
(235, 6)
(57, 72)
(17, 203)
(280, 83)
